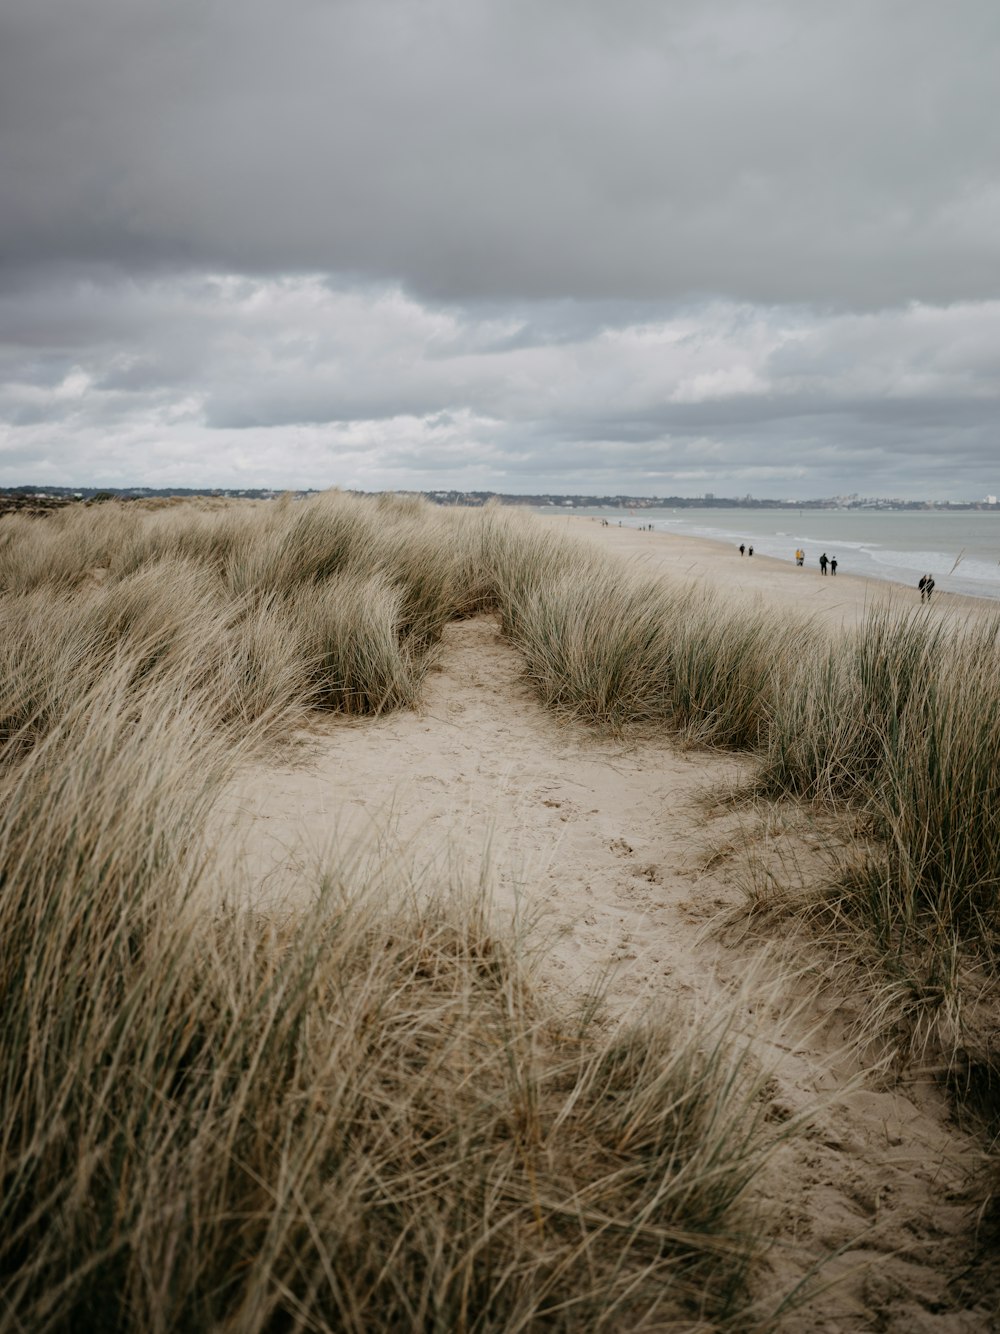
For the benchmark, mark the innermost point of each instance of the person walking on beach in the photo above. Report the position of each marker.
(833, 564)
(926, 587)
(742, 548)
(823, 563)
(800, 556)
(749, 551)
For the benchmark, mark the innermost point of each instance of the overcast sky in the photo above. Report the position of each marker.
(645, 246)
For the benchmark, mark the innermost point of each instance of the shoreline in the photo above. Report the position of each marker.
(963, 559)
(840, 598)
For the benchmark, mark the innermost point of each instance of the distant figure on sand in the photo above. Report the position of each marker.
(742, 548)
(833, 564)
(823, 563)
(800, 556)
(926, 587)
(749, 551)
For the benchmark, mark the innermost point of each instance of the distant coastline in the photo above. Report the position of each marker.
(41, 498)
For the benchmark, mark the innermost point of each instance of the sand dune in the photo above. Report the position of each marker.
(622, 854)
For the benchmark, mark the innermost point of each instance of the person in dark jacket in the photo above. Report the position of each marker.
(823, 563)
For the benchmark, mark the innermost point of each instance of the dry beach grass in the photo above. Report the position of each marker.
(369, 1103)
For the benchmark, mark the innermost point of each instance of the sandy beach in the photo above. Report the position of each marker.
(622, 856)
(839, 599)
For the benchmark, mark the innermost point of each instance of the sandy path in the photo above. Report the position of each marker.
(604, 844)
(623, 854)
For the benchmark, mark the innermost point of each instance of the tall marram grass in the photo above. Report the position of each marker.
(935, 807)
(333, 603)
(363, 1117)
(616, 647)
(897, 726)
(845, 704)
(169, 622)
(61, 551)
(901, 719)
(350, 635)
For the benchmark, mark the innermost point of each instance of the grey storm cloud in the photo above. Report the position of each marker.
(663, 245)
(391, 388)
(774, 151)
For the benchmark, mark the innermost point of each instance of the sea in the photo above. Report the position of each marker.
(961, 548)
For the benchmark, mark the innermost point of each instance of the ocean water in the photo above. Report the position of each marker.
(961, 549)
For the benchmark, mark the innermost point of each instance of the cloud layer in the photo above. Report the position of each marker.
(294, 381)
(574, 246)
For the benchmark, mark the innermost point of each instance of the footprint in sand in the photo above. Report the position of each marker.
(566, 809)
(651, 873)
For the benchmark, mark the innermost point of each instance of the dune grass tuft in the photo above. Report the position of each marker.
(936, 808)
(358, 659)
(615, 647)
